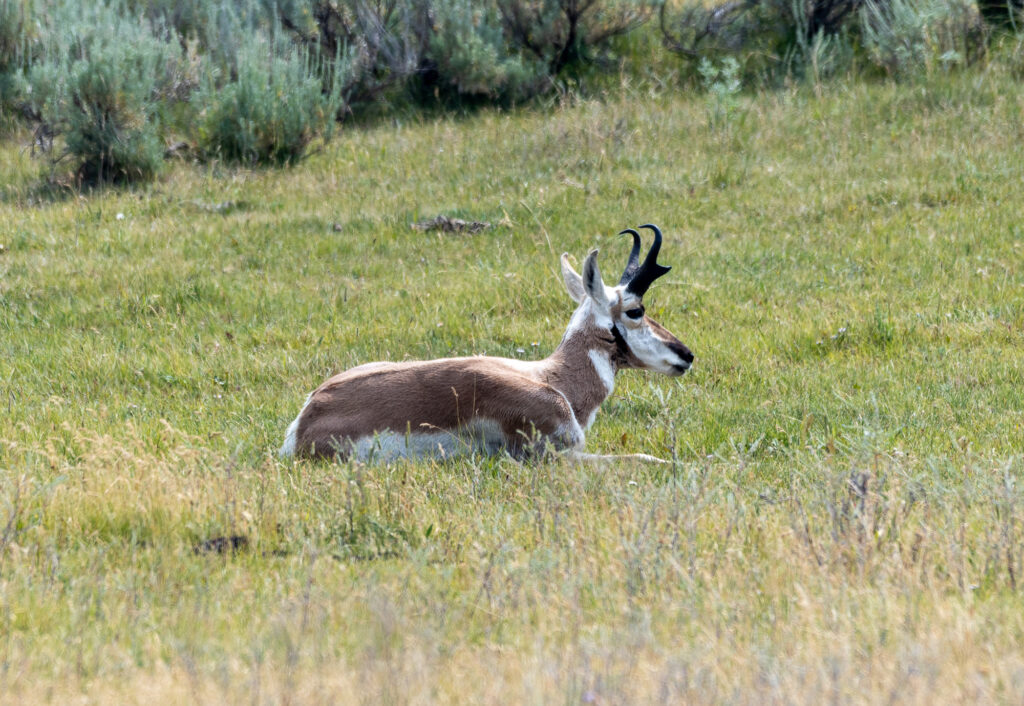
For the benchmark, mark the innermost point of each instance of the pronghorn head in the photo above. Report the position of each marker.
(616, 314)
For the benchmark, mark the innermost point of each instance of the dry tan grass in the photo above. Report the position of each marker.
(600, 587)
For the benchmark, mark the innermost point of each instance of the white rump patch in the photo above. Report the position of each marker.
(291, 436)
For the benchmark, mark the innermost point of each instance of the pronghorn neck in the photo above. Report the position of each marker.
(583, 367)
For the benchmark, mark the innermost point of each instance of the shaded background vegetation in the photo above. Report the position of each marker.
(112, 88)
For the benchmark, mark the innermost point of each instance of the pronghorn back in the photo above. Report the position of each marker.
(450, 406)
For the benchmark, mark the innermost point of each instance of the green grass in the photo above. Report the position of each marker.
(844, 518)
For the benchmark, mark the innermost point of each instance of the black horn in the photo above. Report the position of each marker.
(634, 257)
(650, 270)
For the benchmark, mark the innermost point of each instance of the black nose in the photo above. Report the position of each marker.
(682, 351)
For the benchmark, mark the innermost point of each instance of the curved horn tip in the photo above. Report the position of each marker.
(650, 270)
(633, 263)
(634, 256)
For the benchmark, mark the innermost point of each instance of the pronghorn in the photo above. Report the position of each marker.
(487, 405)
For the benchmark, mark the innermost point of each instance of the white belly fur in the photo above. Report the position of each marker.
(481, 437)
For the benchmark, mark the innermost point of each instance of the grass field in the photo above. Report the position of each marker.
(844, 519)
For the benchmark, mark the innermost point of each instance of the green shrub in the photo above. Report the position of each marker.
(467, 56)
(187, 18)
(904, 37)
(268, 111)
(374, 45)
(791, 37)
(564, 33)
(99, 85)
(16, 44)
(818, 38)
(722, 84)
(456, 50)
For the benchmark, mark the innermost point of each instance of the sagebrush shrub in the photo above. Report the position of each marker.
(802, 37)
(466, 55)
(722, 84)
(374, 46)
(457, 50)
(904, 37)
(16, 44)
(268, 111)
(562, 33)
(99, 85)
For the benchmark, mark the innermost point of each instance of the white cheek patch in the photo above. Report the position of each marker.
(649, 349)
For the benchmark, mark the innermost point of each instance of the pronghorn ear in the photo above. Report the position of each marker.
(592, 282)
(573, 282)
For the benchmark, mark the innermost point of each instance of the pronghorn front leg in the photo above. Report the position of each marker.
(549, 424)
(583, 457)
(562, 434)
(552, 427)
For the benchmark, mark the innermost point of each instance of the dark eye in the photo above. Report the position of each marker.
(635, 313)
